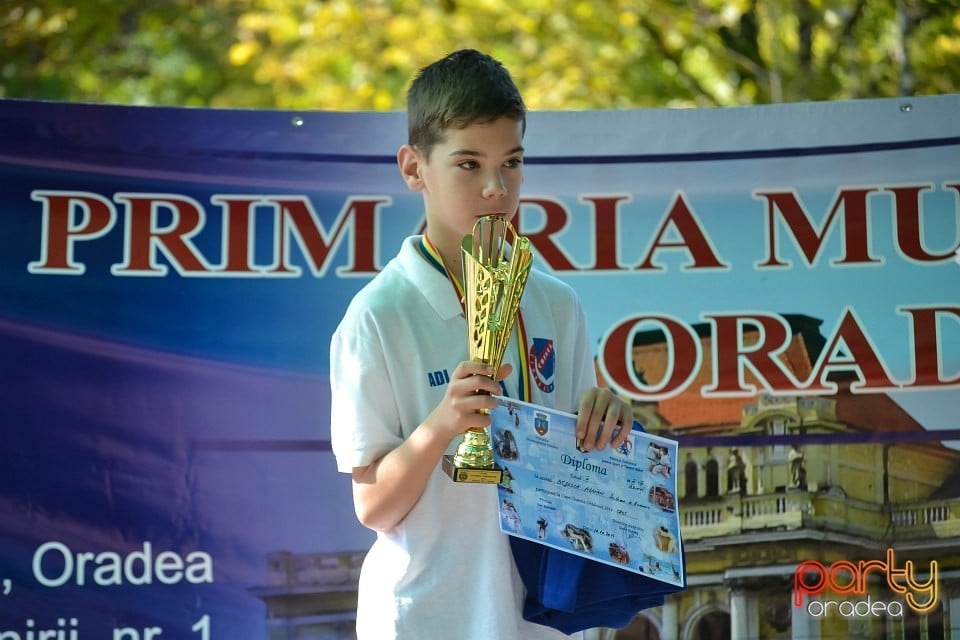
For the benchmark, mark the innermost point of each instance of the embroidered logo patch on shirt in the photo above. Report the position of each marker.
(543, 363)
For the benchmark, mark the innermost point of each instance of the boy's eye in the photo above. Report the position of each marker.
(513, 163)
(468, 164)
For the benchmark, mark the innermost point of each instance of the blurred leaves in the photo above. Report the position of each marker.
(564, 54)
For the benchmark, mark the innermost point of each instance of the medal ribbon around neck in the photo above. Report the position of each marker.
(432, 256)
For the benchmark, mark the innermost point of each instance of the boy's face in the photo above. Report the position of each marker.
(474, 172)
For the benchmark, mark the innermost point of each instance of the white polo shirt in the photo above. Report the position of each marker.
(446, 570)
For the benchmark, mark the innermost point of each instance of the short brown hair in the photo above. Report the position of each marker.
(461, 89)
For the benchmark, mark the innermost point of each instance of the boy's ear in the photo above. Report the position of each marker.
(409, 162)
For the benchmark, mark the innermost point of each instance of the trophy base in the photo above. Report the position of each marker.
(471, 475)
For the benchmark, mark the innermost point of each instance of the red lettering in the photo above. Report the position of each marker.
(908, 225)
(166, 225)
(556, 218)
(69, 217)
(616, 358)
(237, 233)
(297, 219)
(927, 359)
(692, 238)
(733, 352)
(844, 568)
(810, 241)
(861, 356)
(800, 585)
(145, 237)
(606, 234)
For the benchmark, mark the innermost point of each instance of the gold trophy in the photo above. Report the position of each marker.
(492, 286)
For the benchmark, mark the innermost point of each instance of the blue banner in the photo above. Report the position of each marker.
(170, 279)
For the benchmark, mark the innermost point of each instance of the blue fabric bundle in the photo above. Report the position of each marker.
(571, 593)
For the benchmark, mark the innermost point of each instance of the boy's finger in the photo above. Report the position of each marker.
(622, 413)
(469, 368)
(622, 433)
(589, 429)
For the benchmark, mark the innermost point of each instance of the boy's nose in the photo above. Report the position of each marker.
(496, 187)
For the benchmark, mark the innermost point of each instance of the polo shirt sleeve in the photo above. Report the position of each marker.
(364, 419)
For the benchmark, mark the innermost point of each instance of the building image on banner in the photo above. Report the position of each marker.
(769, 529)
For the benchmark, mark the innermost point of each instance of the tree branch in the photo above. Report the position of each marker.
(845, 33)
(691, 81)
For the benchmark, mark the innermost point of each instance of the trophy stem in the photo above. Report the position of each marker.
(475, 451)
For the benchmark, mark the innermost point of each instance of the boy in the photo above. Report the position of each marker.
(440, 567)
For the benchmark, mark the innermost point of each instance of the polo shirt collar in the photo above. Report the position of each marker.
(432, 284)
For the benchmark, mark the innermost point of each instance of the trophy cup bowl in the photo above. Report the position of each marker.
(493, 282)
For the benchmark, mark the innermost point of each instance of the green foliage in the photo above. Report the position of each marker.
(564, 54)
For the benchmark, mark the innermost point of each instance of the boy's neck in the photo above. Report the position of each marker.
(453, 263)
(452, 260)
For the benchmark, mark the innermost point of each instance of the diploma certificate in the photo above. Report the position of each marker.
(616, 506)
